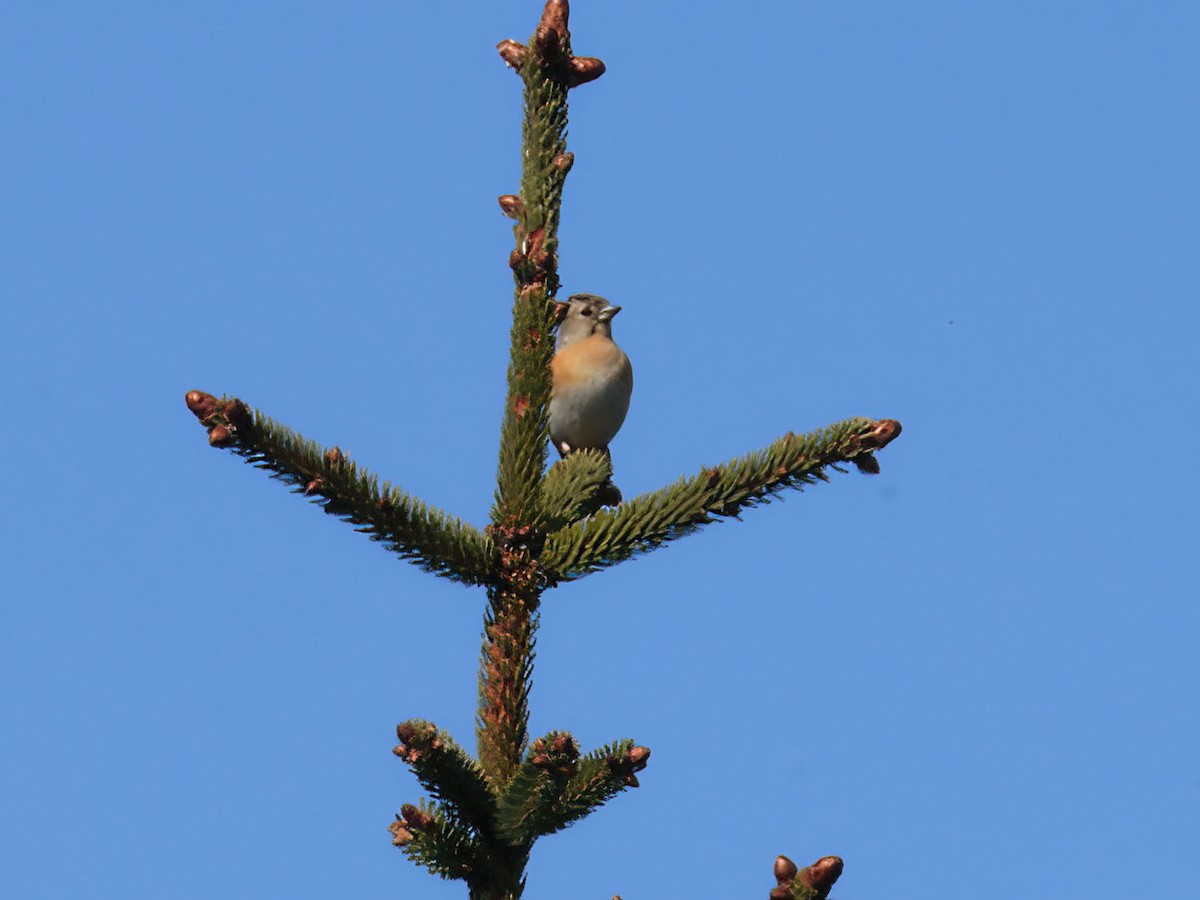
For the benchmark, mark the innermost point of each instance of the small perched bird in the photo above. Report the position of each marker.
(593, 379)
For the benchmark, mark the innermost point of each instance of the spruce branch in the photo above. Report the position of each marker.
(723, 491)
(602, 774)
(548, 70)
(435, 541)
(428, 837)
(526, 807)
(448, 773)
(555, 788)
(506, 667)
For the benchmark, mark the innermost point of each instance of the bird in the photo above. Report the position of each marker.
(592, 377)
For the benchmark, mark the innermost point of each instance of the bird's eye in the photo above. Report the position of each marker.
(586, 311)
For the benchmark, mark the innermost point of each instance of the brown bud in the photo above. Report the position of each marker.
(510, 205)
(313, 486)
(551, 32)
(780, 893)
(785, 869)
(541, 760)
(201, 404)
(334, 456)
(584, 69)
(885, 431)
(563, 161)
(406, 731)
(867, 464)
(400, 834)
(639, 756)
(555, 16)
(821, 875)
(512, 53)
(415, 817)
(220, 436)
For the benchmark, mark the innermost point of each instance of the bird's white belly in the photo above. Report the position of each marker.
(592, 418)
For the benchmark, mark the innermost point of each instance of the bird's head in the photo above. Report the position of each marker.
(585, 315)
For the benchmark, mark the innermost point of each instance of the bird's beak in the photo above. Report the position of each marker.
(608, 312)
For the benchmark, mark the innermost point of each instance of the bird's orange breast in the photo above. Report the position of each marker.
(594, 356)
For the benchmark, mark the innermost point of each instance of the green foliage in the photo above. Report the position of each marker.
(526, 807)
(506, 668)
(524, 432)
(428, 837)
(555, 788)
(545, 165)
(656, 518)
(571, 489)
(448, 773)
(435, 541)
(602, 775)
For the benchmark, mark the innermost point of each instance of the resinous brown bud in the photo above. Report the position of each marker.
(584, 69)
(785, 869)
(510, 205)
(201, 404)
(512, 53)
(821, 875)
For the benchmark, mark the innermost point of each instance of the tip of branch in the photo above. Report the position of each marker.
(822, 874)
(221, 417)
(550, 49)
(415, 818)
(554, 19)
(201, 404)
(885, 431)
(401, 836)
(624, 766)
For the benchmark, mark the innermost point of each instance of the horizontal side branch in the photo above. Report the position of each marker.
(653, 519)
(435, 541)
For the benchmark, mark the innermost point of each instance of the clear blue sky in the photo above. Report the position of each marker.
(975, 675)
